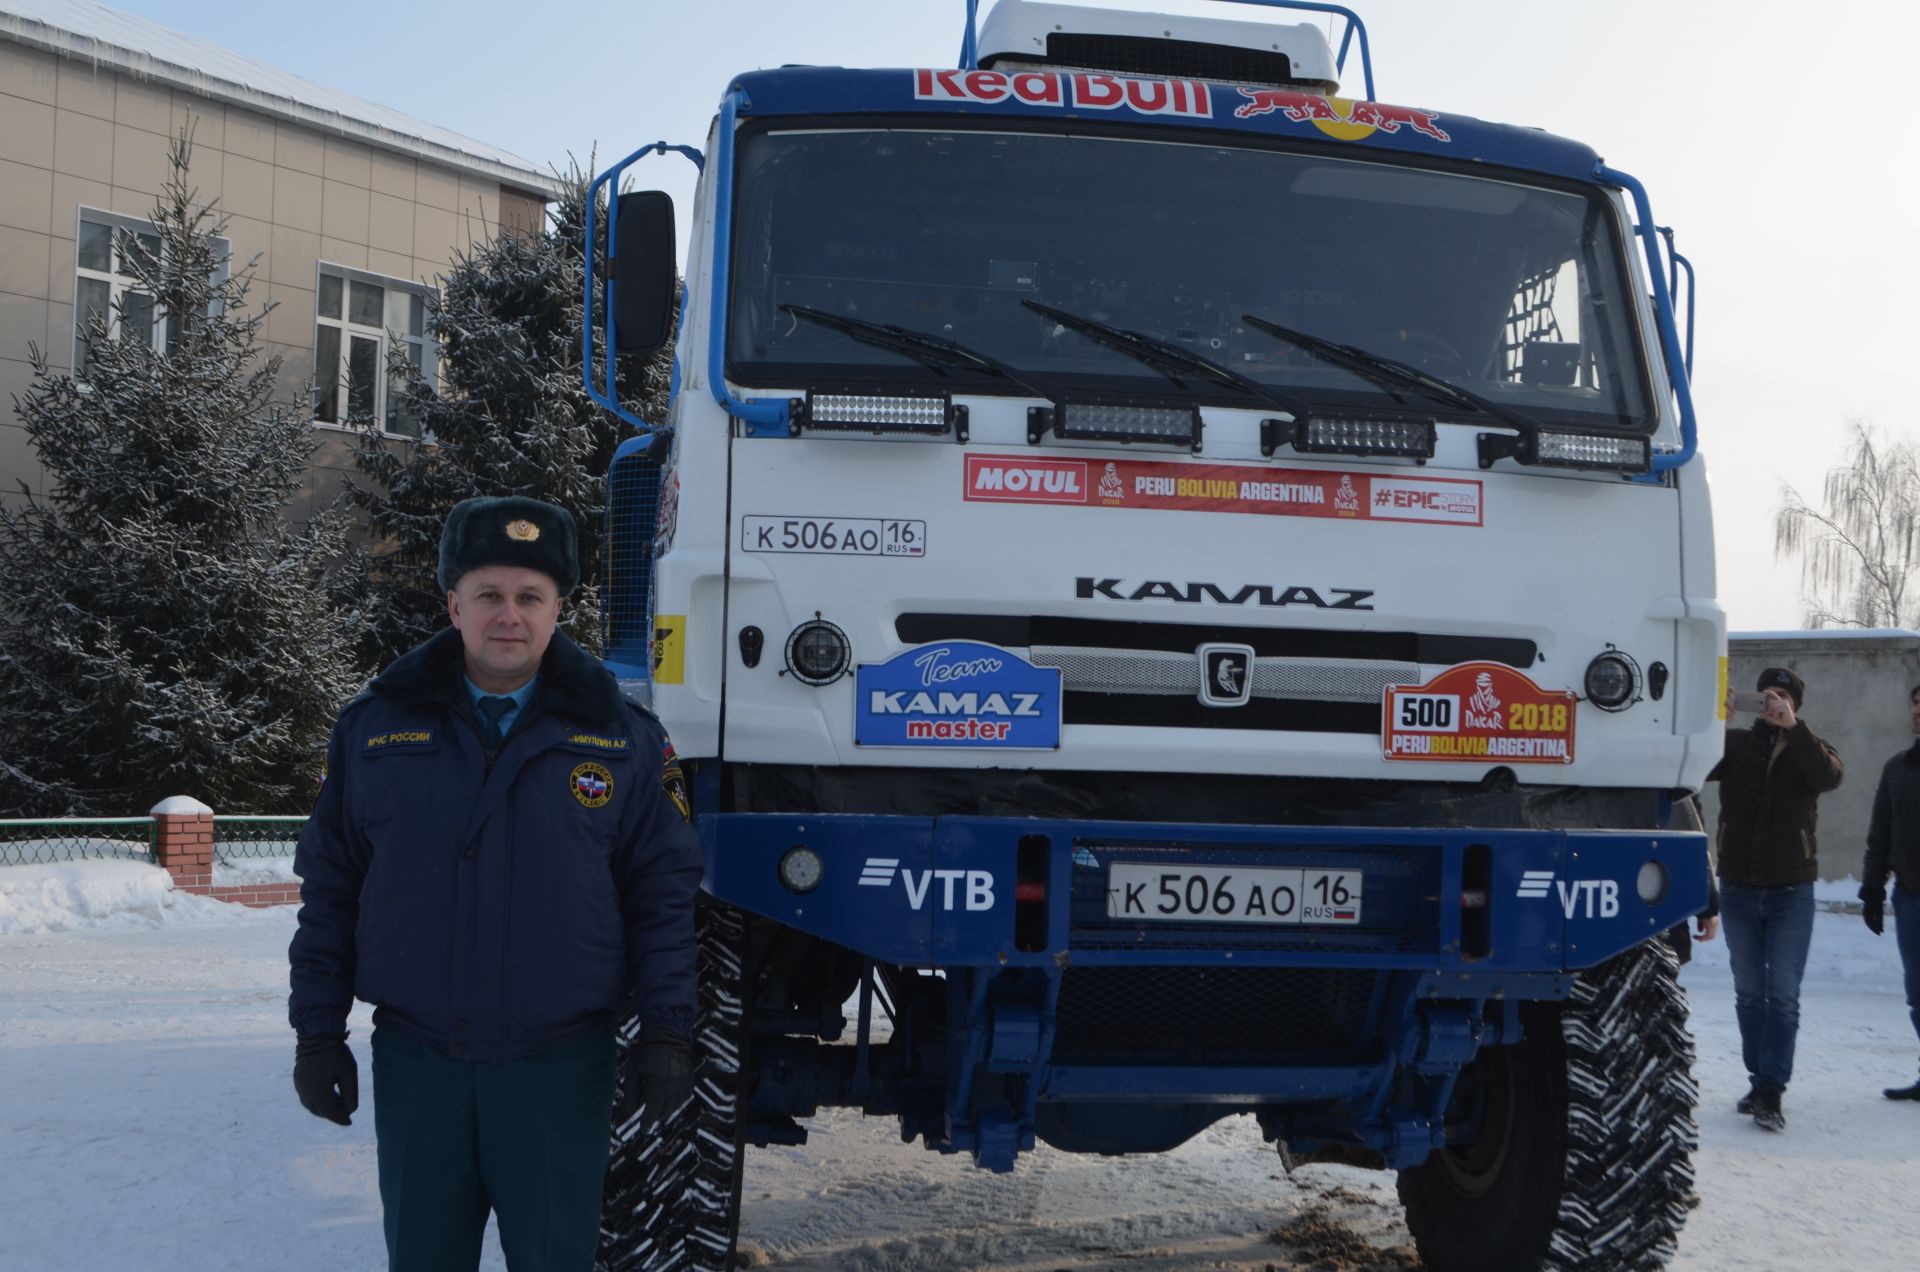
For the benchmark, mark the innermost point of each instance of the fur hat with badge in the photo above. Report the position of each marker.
(1781, 678)
(510, 530)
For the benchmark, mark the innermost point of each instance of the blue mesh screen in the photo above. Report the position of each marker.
(633, 513)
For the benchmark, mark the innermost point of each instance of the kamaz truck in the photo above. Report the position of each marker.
(1179, 593)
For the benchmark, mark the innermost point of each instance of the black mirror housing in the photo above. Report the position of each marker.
(643, 266)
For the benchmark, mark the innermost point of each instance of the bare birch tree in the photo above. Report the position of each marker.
(1859, 551)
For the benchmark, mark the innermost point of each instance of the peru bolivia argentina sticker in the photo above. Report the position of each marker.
(957, 693)
(1478, 713)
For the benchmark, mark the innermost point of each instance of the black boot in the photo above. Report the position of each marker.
(1767, 1114)
(1744, 1105)
(1903, 1093)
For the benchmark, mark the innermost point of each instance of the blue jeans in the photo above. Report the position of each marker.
(1768, 932)
(1906, 930)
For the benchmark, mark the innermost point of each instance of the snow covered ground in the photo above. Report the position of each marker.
(148, 1122)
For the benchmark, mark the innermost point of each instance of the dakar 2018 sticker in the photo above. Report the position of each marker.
(1479, 711)
(1185, 486)
(591, 783)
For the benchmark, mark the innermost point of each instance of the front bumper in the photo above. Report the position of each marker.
(1014, 892)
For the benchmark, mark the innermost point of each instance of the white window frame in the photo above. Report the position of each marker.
(387, 335)
(119, 284)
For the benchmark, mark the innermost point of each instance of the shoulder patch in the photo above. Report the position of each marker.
(399, 740)
(673, 780)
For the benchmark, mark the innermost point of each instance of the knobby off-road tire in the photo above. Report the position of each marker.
(672, 1200)
(1584, 1160)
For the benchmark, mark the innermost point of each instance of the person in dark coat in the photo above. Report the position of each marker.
(501, 863)
(1770, 777)
(1893, 851)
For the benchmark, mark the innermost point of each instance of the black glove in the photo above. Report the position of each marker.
(326, 1077)
(660, 1078)
(1873, 908)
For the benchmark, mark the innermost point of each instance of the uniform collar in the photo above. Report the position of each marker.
(571, 684)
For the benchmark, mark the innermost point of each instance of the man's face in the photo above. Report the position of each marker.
(506, 615)
(1913, 712)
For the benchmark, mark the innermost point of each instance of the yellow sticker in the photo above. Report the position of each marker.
(1720, 698)
(591, 784)
(670, 649)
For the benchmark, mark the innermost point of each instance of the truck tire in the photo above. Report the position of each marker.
(672, 1200)
(1583, 1159)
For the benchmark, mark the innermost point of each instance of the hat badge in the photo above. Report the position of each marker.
(522, 530)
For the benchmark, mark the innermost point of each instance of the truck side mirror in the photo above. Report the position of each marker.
(643, 266)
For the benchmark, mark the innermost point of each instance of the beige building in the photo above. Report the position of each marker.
(349, 210)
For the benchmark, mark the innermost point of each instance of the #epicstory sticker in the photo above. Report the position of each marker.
(957, 693)
(1477, 712)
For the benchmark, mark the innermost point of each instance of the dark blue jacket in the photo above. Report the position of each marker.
(496, 908)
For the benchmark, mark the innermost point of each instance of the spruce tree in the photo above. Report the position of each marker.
(509, 416)
(163, 629)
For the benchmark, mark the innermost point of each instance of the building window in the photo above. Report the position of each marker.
(107, 290)
(363, 319)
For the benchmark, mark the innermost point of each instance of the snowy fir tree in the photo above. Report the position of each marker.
(509, 416)
(163, 629)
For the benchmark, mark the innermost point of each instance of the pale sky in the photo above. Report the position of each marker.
(1776, 139)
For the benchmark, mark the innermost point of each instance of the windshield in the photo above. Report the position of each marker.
(1517, 292)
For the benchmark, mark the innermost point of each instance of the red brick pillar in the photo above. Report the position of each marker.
(183, 842)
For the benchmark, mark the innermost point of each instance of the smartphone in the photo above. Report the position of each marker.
(1752, 701)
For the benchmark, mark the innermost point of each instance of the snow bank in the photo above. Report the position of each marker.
(70, 895)
(243, 872)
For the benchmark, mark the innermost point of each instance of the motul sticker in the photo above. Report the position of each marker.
(1476, 712)
(1191, 487)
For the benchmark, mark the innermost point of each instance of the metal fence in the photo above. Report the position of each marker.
(238, 837)
(30, 841)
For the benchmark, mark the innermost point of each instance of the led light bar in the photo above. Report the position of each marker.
(1548, 449)
(1350, 435)
(873, 413)
(1102, 422)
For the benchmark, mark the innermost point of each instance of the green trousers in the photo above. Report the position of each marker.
(526, 1139)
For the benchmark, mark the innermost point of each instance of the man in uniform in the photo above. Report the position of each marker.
(1770, 778)
(500, 859)
(1893, 849)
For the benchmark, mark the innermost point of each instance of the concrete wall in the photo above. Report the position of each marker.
(1857, 686)
(72, 136)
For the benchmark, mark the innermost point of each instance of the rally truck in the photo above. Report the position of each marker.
(1179, 593)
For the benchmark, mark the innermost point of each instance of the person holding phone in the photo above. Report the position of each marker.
(1893, 851)
(1770, 777)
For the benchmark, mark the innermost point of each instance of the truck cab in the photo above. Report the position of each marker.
(1180, 593)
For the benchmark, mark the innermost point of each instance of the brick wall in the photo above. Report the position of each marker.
(183, 844)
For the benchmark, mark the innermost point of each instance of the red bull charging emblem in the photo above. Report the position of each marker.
(1338, 117)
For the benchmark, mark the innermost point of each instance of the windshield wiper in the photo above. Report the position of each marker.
(1166, 357)
(929, 350)
(1389, 374)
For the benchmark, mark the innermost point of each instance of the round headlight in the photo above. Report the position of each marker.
(1652, 883)
(801, 869)
(818, 652)
(1611, 680)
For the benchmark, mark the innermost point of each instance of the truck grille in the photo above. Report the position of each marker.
(1146, 675)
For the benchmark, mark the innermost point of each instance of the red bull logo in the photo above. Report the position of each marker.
(1084, 90)
(1338, 117)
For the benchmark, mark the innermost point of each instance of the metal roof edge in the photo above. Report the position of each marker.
(145, 66)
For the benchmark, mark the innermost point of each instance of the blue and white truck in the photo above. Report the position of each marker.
(1179, 594)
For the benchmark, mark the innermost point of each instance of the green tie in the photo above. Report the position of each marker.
(491, 712)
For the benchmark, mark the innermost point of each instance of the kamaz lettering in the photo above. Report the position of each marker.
(1262, 594)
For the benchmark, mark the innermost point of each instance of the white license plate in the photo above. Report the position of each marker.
(841, 536)
(1233, 894)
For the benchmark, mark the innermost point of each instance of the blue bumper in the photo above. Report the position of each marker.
(1015, 892)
